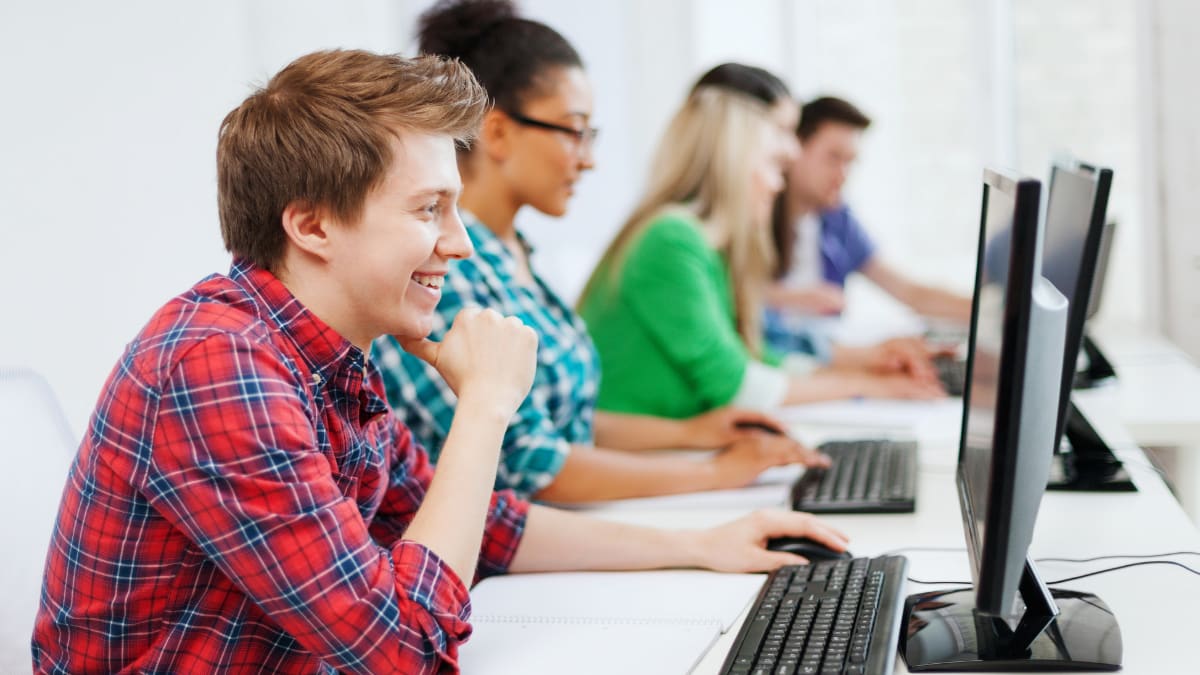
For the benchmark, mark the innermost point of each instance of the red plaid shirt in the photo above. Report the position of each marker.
(239, 503)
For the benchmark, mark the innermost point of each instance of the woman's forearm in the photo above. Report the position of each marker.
(595, 474)
(639, 432)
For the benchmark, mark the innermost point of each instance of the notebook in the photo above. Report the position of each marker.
(601, 622)
(529, 648)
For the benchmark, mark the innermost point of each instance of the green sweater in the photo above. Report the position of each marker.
(665, 325)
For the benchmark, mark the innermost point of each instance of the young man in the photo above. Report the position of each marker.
(243, 500)
(819, 240)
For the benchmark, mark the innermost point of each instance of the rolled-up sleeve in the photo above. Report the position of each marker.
(237, 468)
(409, 479)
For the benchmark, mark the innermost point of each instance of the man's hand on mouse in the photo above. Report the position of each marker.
(740, 545)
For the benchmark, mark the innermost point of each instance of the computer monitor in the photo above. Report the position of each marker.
(1106, 237)
(1096, 368)
(1073, 245)
(1009, 619)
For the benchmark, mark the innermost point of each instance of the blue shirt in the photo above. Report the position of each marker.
(561, 404)
(788, 333)
(845, 245)
(845, 248)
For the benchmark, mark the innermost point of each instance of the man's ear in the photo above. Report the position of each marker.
(495, 135)
(307, 228)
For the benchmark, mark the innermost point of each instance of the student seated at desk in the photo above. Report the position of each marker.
(812, 338)
(675, 304)
(533, 146)
(818, 240)
(243, 500)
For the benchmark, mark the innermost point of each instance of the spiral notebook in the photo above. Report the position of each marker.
(601, 622)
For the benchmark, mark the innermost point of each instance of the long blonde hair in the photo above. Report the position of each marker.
(704, 164)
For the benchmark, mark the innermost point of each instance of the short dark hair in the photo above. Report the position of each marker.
(812, 115)
(829, 109)
(320, 132)
(757, 83)
(509, 55)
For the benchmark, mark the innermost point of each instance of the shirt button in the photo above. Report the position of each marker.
(316, 378)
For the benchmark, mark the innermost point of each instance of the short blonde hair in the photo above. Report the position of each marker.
(320, 132)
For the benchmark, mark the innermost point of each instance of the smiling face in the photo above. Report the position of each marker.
(388, 267)
(543, 165)
(824, 163)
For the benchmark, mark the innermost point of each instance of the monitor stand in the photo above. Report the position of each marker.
(1084, 462)
(1057, 630)
(1098, 369)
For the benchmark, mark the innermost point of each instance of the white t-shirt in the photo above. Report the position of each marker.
(805, 271)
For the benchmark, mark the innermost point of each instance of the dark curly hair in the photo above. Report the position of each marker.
(510, 56)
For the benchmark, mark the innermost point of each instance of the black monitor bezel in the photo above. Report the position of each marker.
(1077, 312)
(1022, 267)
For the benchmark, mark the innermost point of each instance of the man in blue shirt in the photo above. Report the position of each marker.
(818, 238)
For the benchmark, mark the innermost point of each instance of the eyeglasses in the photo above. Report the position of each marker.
(584, 138)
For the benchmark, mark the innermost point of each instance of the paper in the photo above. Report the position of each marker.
(528, 648)
(873, 413)
(601, 622)
(667, 596)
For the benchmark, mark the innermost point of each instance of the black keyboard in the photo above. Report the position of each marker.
(835, 616)
(867, 476)
(952, 371)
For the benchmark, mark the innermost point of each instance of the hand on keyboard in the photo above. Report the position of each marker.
(901, 386)
(910, 356)
(740, 463)
(740, 545)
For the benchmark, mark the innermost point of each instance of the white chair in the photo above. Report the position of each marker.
(38, 448)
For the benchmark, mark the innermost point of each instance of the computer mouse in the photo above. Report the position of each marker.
(809, 548)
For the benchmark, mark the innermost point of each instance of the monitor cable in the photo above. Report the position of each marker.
(1141, 559)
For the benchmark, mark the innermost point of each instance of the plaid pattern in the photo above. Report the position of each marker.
(561, 404)
(238, 506)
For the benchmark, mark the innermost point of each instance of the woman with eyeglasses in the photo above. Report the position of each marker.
(675, 304)
(532, 148)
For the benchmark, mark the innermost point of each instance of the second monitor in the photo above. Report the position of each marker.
(1077, 236)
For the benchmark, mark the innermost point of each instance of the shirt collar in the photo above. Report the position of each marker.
(488, 245)
(323, 348)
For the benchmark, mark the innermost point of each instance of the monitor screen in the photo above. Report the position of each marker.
(1068, 217)
(1106, 238)
(1011, 399)
(1075, 218)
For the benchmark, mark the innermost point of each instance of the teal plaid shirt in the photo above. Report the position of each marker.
(562, 402)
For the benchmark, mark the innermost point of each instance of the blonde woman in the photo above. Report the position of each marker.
(675, 304)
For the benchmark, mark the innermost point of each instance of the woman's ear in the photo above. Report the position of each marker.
(307, 228)
(495, 135)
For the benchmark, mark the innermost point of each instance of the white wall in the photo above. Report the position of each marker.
(109, 116)
(1173, 34)
(107, 176)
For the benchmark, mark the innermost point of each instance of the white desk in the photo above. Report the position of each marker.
(1154, 605)
(1157, 387)
(1154, 400)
